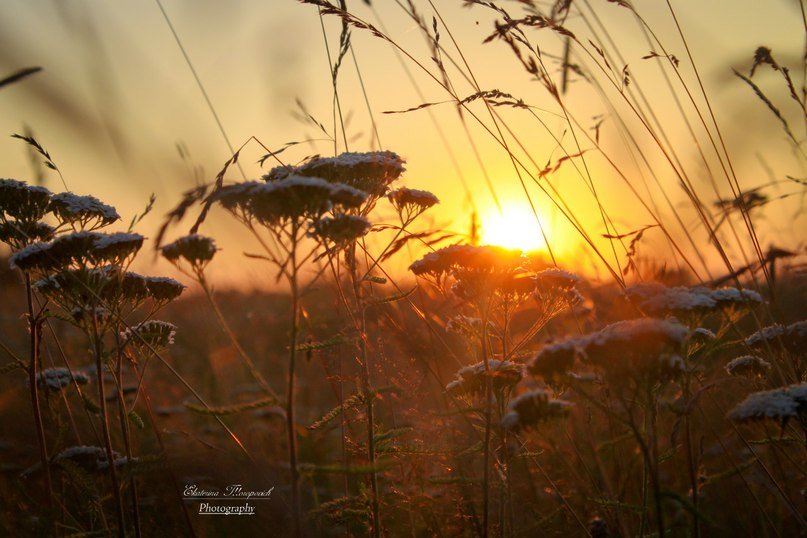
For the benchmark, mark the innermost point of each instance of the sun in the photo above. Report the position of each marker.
(515, 227)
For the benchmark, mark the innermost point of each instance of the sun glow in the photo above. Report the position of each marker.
(516, 227)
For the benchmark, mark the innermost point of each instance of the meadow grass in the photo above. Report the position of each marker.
(483, 391)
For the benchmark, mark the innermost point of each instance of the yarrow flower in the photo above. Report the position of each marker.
(78, 248)
(90, 458)
(154, 333)
(341, 229)
(22, 202)
(290, 198)
(19, 234)
(646, 347)
(780, 405)
(369, 172)
(410, 203)
(476, 269)
(472, 379)
(56, 379)
(792, 337)
(467, 326)
(656, 299)
(554, 360)
(556, 278)
(196, 249)
(531, 408)
(748, 366)
(74, 209)
(163, 289)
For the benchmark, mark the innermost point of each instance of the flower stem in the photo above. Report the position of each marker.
(290, 427)
(33, 326)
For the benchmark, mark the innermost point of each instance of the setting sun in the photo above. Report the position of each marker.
(515, 228)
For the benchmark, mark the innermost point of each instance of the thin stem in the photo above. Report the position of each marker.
(368, 388)
(127, 440)
(113, 476)
(290, 427)
(33, 327)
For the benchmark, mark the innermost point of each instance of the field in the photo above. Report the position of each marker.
(592, 323)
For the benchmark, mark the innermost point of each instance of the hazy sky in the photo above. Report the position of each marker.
(116, 98)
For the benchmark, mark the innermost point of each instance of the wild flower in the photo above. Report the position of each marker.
(779, 404)
(656, 299)
(555, 278)
(729, 297)
(531, 408)
(411, 203)
(22, 202)
(792, 337)
(645, 347)
(152, 333)
(472, 379)
(341, 229)
(477, 270)
(87, 315)
(369, 172)
(116, 248)
(19, 234)
(163, 289)
(77, 248)
(555, 360)
(748, 366)
(55, 379)
(89, 458)
(467, 326)
(702, 335)
(195, 249)
(82, 211)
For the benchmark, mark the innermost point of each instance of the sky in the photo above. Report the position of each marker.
(122, 115)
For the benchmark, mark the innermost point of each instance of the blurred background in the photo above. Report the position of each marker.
(118, 107)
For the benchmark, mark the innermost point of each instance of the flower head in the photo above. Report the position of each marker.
(369, 172)
(779, 404)
(163, 289)
(152, 333)
(410, 203)
(55, 379)
(196, 249)
(748, 366)
(85, 211)
(792, 337)
(531, 408)
(554, 360)
(472, 379)
(22, 202)
(341, 229)
(19, 234)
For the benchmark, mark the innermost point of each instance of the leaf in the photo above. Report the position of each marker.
(19, 75)
(231, 409)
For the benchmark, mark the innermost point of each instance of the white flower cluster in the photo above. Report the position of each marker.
(154, 333)
(71, 207)
(748, 366)
(471, 379)
(533, 407)
(91, 458)
(57, 378)
(654, 298)
(779, 404)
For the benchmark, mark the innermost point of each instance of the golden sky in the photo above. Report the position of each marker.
(116, 99)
